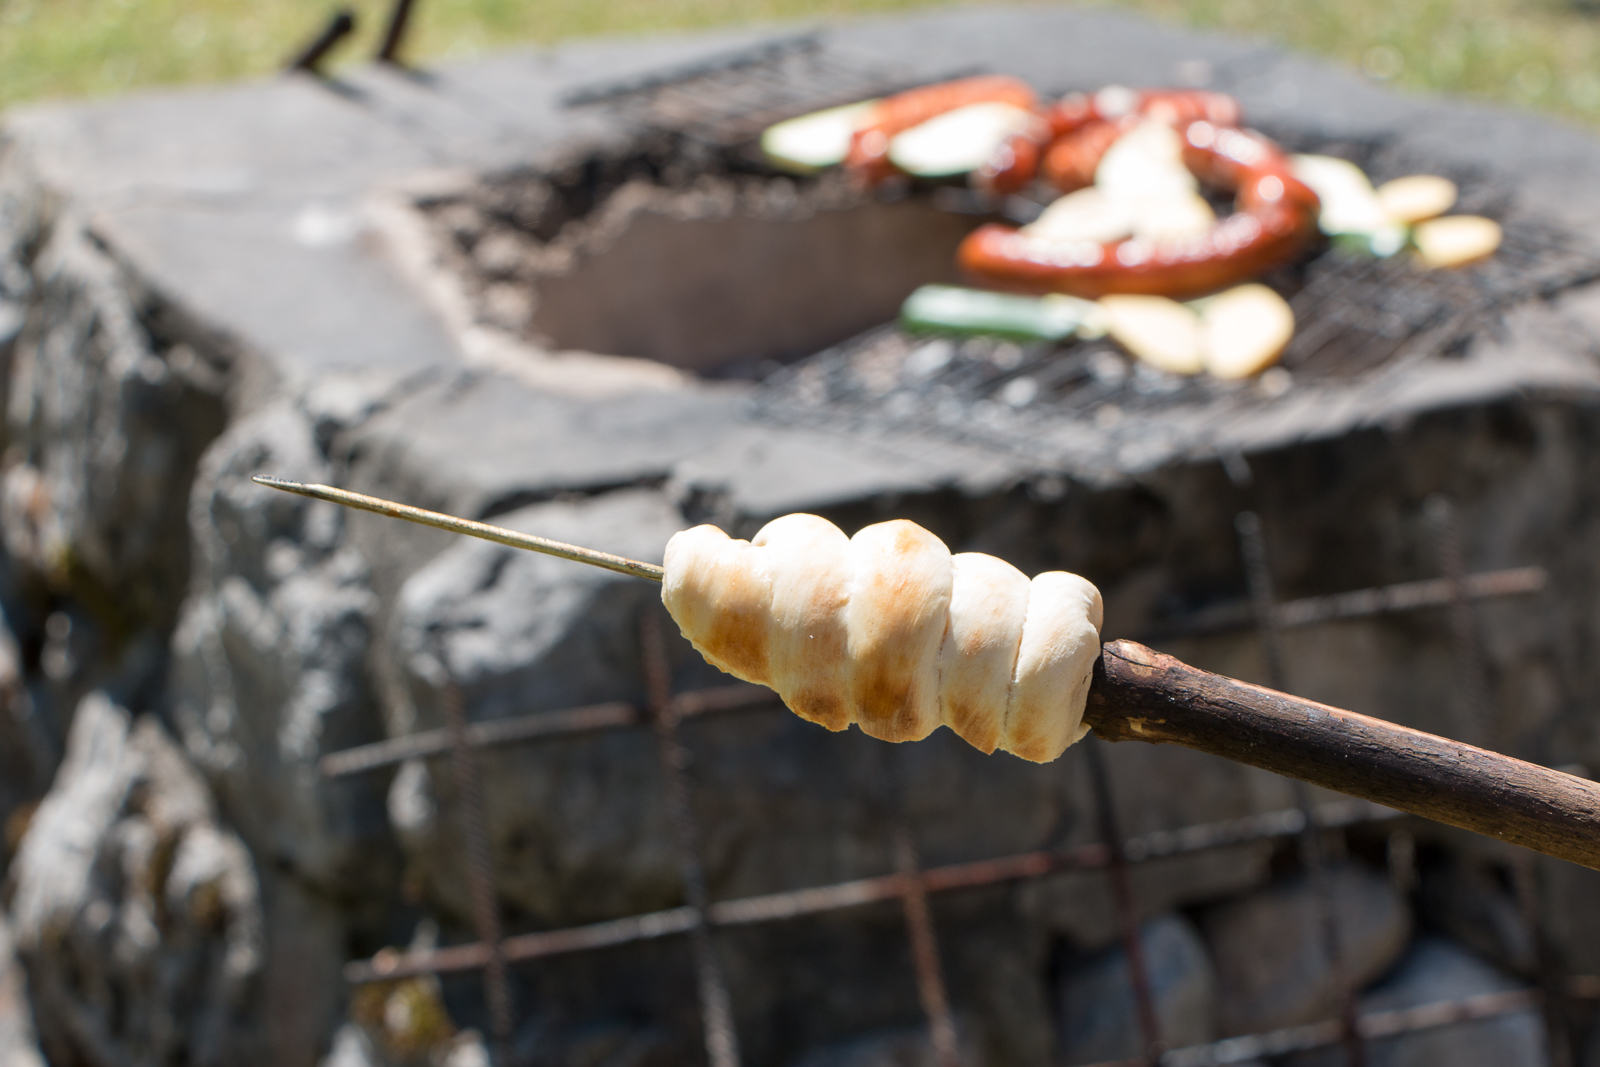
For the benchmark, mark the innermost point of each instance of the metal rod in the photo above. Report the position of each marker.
(932, 993)
(1253, 549)
(1477, 705)
(1548, 973)
(310, 58)
(480, 869)
(539, 726)
(1343, 989)
(1408, 596)
(716, 1007)
(1472, 680)
(1253, 1047)
(498, 534)
(1263, 599)
(1358, 603)
(931, 989)
(1144, 1000)
(394, 34)
(797, 903)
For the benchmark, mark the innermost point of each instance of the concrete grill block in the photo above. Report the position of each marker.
(279, 253)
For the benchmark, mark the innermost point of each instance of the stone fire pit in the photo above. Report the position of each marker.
(449, 289)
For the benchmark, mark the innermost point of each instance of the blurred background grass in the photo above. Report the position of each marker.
(1538, 53)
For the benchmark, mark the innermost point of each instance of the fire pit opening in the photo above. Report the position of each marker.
(694, 257)
(699, 256)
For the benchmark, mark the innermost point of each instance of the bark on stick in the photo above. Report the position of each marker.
(1139, 694)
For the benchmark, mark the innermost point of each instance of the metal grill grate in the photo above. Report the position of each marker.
(731, 98)
(1356, 315)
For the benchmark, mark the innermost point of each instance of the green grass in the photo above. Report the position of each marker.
(1539, 53)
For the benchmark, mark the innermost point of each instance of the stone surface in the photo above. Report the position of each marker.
(1099, 1017)
(1270, 958)
(1436, 970)
(1470, 902)
(1572, 927)
(1588, 1054)
(351, 1048)
(613, 1044)
(762, 264)
(895, 1048)
(571, 840)
(18, 1045)
(30, 748)
(110, 405)
(138, 917)
(270, 673)
(269, 669)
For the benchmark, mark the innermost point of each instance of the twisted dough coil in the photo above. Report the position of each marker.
(889, 631)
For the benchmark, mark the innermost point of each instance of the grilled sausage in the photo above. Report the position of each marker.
(1012, 167)
(1082, 126)
(868, 158)
(1275, 218)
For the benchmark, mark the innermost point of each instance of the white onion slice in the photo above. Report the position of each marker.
(812, 142)
(1349, 203)
(958, 141)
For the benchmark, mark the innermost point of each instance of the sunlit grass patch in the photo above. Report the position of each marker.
(1537, 53)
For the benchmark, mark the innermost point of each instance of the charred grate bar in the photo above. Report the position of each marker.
(932, 992)
(793, 904)
(731, 98)
(1253, 552)
(1359, 603)
(1253, 1047)
(1357, 313)
(1476, 696)
(523, 729)
(1127, 909)
(480, 870)
(716, 1006)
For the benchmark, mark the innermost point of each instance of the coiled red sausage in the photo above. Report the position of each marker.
(1012, 167)
(868, 157)
(1071, 160)
(1274, 219)
(1178, 107)
(1083, 127)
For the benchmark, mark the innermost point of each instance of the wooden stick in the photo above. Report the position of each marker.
(1139, 694)
(620, 564)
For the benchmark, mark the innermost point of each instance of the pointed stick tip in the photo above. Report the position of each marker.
(471, 528)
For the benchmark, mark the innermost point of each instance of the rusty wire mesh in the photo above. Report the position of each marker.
(909, 883)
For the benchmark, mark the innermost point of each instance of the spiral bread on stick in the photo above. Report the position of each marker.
(891, 632)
